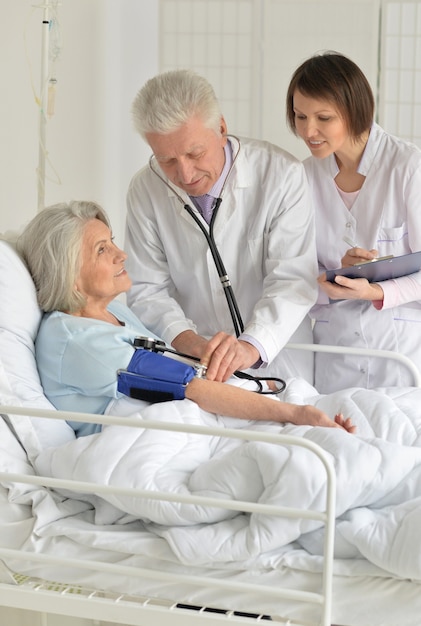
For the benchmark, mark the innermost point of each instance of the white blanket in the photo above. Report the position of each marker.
(378, 480)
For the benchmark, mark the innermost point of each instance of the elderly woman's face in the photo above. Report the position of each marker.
(102, 275)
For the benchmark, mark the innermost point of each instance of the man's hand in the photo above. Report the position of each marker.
(224, 354)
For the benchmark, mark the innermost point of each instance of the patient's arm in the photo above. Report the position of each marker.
(226, 399)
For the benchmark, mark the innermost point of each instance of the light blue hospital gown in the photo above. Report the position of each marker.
(78, 359)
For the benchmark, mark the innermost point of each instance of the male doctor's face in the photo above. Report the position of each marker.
(192, 157)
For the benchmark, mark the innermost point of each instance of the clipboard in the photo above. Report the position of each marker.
(383, 269)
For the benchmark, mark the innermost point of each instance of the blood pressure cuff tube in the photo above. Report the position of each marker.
(154, 377)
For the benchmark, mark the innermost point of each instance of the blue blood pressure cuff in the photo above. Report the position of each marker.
(154, 377)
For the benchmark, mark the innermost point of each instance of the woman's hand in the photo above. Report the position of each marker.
(345, 422)
(351, 288)
(233, 401)
(355, 256)
(312, 416)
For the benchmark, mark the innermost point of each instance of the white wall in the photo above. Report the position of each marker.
(249, 49)
(297, 29)
(108, 50)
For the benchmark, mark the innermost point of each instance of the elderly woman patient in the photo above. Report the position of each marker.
(86, 334)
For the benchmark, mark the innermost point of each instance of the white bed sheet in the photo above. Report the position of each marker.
(363, 594)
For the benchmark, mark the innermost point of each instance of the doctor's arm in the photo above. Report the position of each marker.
(150, 299)
(223, 354)
(150, 296)
(288, 264)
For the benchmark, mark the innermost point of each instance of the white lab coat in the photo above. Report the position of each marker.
(264, 231)
(386, 216)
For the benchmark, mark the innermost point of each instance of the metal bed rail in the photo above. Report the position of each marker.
(382, 354)
(120, 608)
(124, 611)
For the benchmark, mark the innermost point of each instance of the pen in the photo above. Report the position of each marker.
(355, 245)
(350, 242)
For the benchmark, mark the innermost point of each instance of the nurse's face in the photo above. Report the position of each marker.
(192, 157)
(102, 276)
(321, 126)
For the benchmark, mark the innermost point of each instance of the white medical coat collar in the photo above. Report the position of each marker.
(368, 156)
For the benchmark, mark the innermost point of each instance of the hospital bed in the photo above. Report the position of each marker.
(58, 563)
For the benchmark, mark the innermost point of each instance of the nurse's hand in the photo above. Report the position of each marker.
(351, 289)
(356, 255)
(224, 354)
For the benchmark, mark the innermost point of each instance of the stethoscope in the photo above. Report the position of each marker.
(209, 236)
(220, 267)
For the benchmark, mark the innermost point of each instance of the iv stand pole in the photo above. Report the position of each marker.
(42, 151)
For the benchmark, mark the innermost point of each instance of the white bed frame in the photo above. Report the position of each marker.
(49, 600)
(45, 597)
(382, 354)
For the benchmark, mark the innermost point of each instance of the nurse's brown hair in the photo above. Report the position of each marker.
(333, 77)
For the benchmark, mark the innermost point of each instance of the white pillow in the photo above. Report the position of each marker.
(20, 317)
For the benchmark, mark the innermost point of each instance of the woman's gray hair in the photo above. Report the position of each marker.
(169, 100)
(51, 246)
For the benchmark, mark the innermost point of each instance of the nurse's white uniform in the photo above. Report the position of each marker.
(386, 216)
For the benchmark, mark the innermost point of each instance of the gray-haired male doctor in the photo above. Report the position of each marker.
(253, 199)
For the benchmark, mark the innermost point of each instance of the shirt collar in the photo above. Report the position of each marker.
(216, 189)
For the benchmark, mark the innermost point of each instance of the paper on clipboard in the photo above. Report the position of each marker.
(384, 269)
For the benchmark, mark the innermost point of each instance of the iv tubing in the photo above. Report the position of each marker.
(43, 107)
